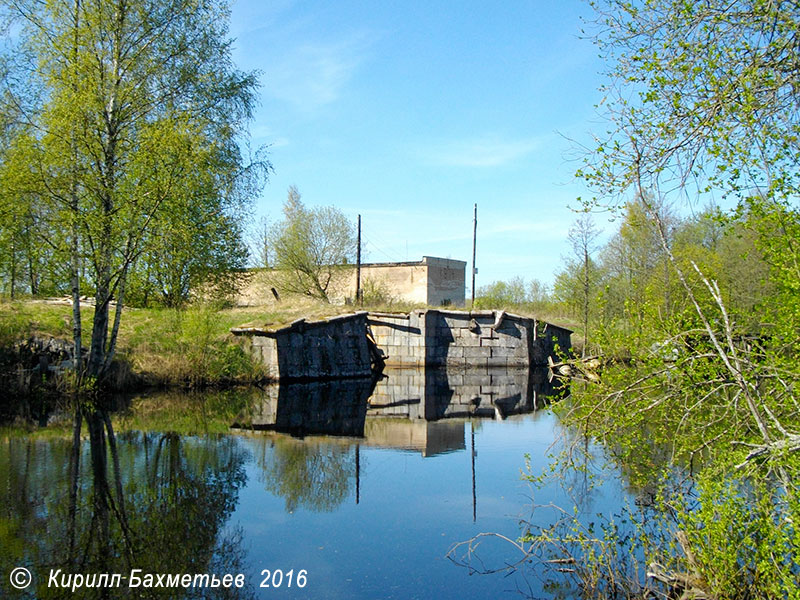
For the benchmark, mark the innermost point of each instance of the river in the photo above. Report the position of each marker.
(339, 490)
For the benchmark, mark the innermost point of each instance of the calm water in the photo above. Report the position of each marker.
(364, 488)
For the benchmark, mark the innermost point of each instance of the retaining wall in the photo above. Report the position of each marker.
(338, 347)
(334, 348)
(466, 339)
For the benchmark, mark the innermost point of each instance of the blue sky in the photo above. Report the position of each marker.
(410, 112)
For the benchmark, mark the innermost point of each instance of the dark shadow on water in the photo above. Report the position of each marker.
(337, 407)
(406, 409)
(97, 501)
(343, 407)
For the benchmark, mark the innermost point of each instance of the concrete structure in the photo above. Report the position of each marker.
(329, 349)
(431, 281)
(466, 339)
(348, 345)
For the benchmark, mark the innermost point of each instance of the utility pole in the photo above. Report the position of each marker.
(358, 265)
(358, 473)
(474, 488)
(474, 240)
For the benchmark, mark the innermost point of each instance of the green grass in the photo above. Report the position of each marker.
(168, 347)
(188, 347)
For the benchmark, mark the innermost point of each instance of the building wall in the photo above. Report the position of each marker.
(446, 285)
(406, 281)
(431, 281)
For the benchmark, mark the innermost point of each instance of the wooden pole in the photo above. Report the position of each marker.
(358, 265)
(474, 240)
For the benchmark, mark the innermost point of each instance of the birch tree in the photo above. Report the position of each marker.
(313, 248)
(702, 103)
(131, 97)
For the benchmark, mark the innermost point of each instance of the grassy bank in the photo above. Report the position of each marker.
(166, 347)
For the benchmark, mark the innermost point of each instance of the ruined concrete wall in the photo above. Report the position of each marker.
(334, 348)
(461, 339)
(400, 337)
(264, 349)
(552, 340)
(476, 339)
(338, 346)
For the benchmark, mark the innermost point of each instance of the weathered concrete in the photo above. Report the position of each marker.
(329, 349)
(431, 281)
(466, 339)
(340, 346)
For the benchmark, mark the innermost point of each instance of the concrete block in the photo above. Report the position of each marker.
(476, 362)
(455, 380)
(468, 392)
(497, 361)
(455, 352)
(478, 352)
(476, 379)
(501, 351)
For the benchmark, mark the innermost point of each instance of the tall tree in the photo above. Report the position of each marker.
(313, 247)
(702, 97)
(582, 237)
(133, 96)
(702, 102)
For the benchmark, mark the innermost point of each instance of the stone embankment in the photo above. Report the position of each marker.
(352, 345)
(466, 339)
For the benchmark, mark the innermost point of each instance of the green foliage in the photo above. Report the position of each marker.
(128, 148)
(501, 293)
(743, 538)
(701, 102)
(312, 248)
(516, 293)
(376, 292)
(190, 347)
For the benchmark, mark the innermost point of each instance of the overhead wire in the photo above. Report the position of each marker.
(373, 246)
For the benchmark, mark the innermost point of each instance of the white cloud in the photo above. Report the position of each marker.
(312, 75)
(479, 152)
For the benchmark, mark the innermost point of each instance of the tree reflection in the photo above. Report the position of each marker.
(151, 501)
(316, 476)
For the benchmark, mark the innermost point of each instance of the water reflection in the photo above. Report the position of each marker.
(102, 504)
(419, 410)
(316, 476)
(141, 489)
(407, 409)
(336, 407)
